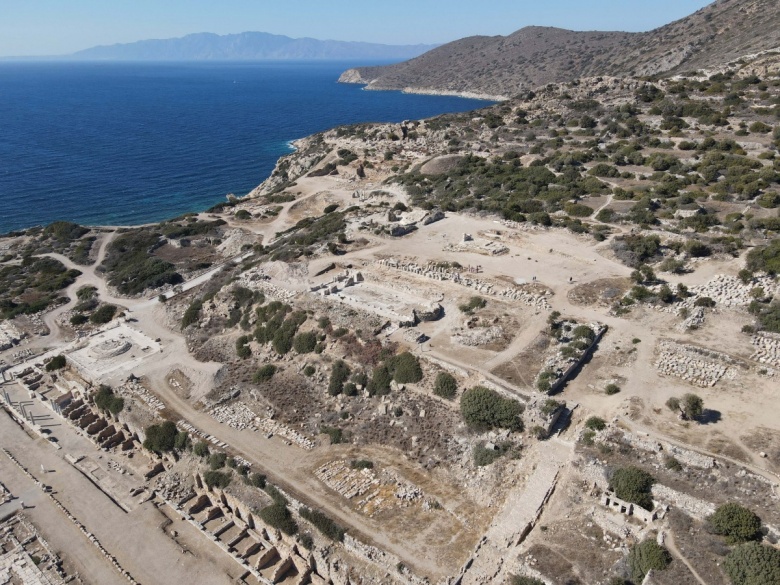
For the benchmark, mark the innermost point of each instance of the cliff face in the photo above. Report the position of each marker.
(504, 66)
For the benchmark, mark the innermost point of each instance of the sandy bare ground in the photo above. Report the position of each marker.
(133, 538)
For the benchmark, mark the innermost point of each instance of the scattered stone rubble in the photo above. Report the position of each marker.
(730, 291)
(9, 335)
(235, 415)
(487, 288)
(134, 388)
(701, 367)
(767, 348)
(376, 490)
(26, 557)
(477, 336)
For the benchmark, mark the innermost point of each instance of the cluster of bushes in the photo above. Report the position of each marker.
(103, 315)
(106, 400)
(485, 456)
(278, 514)
(645, 556)
(192, 313)
(472, 305)
(307, 234)
(484, 409)
(165, 437)
(131, 266)
(216, 479)
(445, 386)
(324, 524)
(690, 406)
(339, 374)
(278, 325)
(633, 485)
(58, 362)
(264, 374)
(32, 286)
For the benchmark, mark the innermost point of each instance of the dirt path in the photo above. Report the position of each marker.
(291, 468)
(672, 546)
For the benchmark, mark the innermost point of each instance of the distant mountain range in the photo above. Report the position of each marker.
(504, 66)
(248, 46)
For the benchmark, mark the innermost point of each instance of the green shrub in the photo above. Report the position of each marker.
(405, 368)
(474, 304)
(765, 259)
(161, 438)
(309, 371)
(264, 374)
(78, 319)
(201, 449)
(216, 479)
(736, 523)
(611, 389)
(103, 315)
(361, 464)
(243, 215)
(192, 314)
(484, 409)
(484, 456)
(595, 423)
(305, 342)
(217, 460)
(753, 564)
(335, 434)
(633, 485)
(645, 556)
(672, 463)
(258, 480)
(106, 400)
(56, 363)
(324, 524)
(279, 517)
(338, 375)
(445, 386)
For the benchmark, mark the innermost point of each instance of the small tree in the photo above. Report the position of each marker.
(736, 523)
(595, 423)
(485, 409)
(645, 556)
(753, 564)
(633, 485)
(406, 368)
(338, 375)
(216, 479)
(161, 438)
(692, 406)
(264, 374)
(201, 449)
(445, 386)
(56, 363)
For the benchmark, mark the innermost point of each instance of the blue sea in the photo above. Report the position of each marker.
(119, 144)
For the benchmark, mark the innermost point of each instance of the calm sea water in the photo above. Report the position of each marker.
(135, 143)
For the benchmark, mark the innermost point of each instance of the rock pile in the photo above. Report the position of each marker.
(134, 388)
(767, 348)
(487, 288)
(698, 366)
(477, 336)
(730, 291)
(236, 415)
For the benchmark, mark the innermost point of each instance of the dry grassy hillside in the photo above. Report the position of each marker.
(533, 56)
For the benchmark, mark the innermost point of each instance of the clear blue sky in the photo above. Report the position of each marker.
(53, 27)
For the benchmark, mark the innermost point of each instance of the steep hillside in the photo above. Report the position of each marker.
(533, 56)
